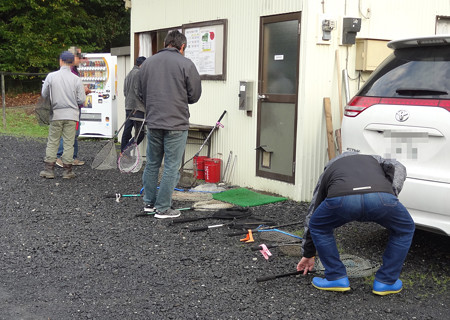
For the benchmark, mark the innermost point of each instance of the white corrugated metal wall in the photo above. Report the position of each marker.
(381, 19)
(124, 65)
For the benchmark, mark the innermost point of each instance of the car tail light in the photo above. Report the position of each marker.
(445, 104)
(359, 104)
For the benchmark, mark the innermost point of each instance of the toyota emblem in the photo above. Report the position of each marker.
(402, 115)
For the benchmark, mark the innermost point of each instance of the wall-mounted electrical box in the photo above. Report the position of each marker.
(246, 95)
(370, 53)
(350, 27)
(326, 25)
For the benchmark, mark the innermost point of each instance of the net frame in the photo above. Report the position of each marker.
(290, 245)
(287, 243)
(356, 267)
(43, 111)
(211, 205)
(130, 160)
(106, 158)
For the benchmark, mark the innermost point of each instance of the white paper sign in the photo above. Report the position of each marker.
(201, 49)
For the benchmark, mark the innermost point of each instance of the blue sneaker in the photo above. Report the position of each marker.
(334, 285)
(382, 289)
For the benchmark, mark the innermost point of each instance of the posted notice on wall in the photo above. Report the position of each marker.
(201, 49)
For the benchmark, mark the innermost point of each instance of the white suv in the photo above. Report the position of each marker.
(403, 112)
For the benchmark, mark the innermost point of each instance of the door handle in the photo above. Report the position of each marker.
(262, 96)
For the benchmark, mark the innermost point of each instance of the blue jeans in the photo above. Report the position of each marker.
(169, 145)
(382, 208)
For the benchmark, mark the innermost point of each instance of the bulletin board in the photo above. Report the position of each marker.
(206, 47)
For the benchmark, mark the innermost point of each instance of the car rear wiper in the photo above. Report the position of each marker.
(420, 92)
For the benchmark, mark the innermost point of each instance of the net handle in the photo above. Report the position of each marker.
(275, 245)
(261, 228)
(129, 116)
(211, 132)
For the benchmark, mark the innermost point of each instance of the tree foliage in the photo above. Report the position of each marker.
(34, 32)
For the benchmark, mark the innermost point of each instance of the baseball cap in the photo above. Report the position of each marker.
(67, 57)
(140, 60)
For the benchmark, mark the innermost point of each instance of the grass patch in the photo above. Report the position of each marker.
(430, 280)
(22, 122)
(299, 233)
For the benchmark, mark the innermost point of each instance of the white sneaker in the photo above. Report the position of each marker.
(149, 208)
(168, 214)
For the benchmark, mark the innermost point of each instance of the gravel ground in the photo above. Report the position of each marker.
(70, 253)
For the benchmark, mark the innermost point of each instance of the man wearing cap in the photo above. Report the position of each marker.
(66, 92)
(74, 68)
(134, 107)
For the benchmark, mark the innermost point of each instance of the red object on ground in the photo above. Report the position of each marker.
(199, 167)
(212, 170)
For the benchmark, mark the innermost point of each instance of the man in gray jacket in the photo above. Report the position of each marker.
(66, 92)
(168, 83)
(134, 107)
(356, 187)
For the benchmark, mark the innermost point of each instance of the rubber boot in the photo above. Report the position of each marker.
(68, 173)
(49, 170)
(342, 284)
(382, 289)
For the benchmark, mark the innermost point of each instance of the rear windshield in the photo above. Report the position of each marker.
(413, 72)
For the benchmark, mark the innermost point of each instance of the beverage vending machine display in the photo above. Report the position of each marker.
(98, 72)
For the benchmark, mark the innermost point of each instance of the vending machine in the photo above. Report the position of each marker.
(98, 71)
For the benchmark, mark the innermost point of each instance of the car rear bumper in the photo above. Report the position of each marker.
(428, 202)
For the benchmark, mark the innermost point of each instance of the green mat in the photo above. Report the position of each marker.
(245, 198)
